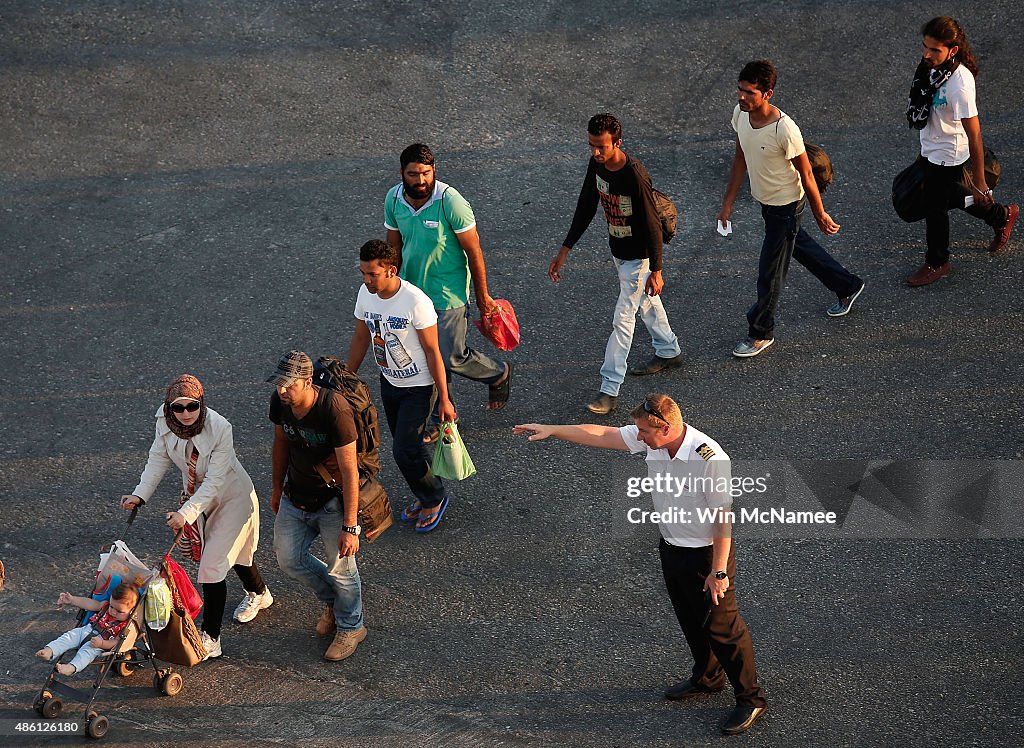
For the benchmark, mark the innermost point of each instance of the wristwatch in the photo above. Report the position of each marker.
(354, 530)
(721, 575)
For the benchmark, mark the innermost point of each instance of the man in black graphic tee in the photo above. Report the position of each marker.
(622, 186)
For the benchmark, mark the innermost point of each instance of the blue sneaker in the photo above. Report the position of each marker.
(842, 307)
(749, 347)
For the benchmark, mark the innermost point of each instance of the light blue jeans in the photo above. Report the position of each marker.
(76, 638)
(632, 277)
(337, 584)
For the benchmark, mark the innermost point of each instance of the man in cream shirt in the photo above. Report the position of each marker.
(770, 149)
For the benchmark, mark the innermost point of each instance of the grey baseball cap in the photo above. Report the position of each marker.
(293, 365)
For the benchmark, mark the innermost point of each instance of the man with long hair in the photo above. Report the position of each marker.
(944, 109)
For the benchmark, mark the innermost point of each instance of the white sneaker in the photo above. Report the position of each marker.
(252, 604)
(211, 645)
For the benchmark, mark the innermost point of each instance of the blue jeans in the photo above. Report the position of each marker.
(406, 409)
(80, 638)
(336, 584)
(785, 240)
(632, 277)
(458, 357)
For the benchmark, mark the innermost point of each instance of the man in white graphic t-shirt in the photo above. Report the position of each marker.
(943, 107)
(399, 321)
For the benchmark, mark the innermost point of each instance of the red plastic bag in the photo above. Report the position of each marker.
(501, 326)
(183, 592)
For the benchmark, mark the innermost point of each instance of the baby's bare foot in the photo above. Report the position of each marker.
(66, 668)
(45, 654)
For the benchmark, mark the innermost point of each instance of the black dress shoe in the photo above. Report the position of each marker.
(656, 364)
(686, 689)
(742, 718)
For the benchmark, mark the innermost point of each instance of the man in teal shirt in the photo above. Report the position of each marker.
(434, 227)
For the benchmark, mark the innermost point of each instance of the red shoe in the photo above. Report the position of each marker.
(1003, 235)
(927, 274)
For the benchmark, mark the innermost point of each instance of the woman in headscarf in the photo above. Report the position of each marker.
(219, 509)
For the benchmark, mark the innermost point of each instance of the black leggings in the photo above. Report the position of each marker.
(215, 595)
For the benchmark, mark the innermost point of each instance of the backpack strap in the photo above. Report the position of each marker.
(443, 214)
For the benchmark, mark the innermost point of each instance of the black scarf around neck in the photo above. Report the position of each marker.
(927, 80)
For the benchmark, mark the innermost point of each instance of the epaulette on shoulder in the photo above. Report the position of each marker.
(705, 451)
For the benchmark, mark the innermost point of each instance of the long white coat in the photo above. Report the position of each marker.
(225, 494)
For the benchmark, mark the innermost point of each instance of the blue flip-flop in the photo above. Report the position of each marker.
(407, 517)
(435, 516)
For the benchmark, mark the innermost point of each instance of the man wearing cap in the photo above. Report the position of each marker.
(698, 557)
(314, 426)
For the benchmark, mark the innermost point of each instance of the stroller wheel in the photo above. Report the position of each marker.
(40, 700)
(125, 669)
(52, 708)
(171, 684)
(97, 726)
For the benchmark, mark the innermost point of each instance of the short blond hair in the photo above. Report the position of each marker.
(667, 411)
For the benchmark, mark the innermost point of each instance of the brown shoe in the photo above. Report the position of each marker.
(927, 274)
(1003, 235)
(326, 625)
(344, 644)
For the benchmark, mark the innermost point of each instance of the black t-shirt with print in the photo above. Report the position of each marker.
(627, 196)
(312, 440)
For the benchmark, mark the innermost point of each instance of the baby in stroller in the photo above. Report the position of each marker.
(98, 635)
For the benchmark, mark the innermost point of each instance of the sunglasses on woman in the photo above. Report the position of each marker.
(182, 407)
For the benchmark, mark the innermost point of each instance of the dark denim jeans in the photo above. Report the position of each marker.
(943, 191)
(406, 410)
(783, 240)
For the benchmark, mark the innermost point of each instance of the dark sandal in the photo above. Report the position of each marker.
(497, 394)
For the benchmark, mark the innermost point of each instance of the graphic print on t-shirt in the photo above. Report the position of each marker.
(386, 344)
(617, 209)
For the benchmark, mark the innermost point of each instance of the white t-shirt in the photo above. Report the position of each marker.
(768, 152)
(393, 338)
(705, 473)
(943, 139)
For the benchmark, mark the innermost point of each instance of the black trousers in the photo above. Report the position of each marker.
(785, 240)
(215, 596)
(406, 409)
(718, 638)
(942, 191)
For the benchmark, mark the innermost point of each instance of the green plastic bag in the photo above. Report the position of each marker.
(451, 460)
(157, 605)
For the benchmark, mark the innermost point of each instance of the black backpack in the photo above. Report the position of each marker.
(332, 373)
(667, 213)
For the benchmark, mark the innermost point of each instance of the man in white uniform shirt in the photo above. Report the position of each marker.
(698, 559)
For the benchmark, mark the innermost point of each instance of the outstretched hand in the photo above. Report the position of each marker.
(537, 431)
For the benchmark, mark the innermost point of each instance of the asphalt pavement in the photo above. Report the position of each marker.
(184, 187)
